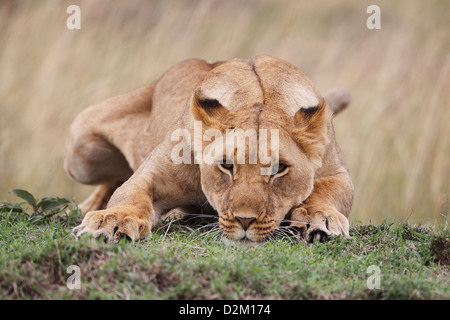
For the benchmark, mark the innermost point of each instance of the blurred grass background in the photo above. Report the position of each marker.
(395, 136)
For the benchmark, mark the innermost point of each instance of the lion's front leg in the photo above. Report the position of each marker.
(325, 211)
(129, 215)
(136, 206)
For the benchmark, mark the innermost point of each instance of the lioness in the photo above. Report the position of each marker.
(126, 146)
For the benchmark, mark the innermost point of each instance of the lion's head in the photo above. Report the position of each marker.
(284, 121)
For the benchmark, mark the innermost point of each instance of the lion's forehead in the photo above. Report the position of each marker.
(264, 80)
(234, 85)
(286, 85)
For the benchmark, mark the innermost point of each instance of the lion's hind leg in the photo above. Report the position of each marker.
(99, 198)
(92, 160)
(101, 144)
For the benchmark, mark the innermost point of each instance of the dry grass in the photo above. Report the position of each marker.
(395, 136)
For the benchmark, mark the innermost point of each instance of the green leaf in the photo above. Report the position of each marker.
(8, 207)
(47, 204)
(25, 195)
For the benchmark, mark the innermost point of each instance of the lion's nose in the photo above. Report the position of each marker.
(245, 221)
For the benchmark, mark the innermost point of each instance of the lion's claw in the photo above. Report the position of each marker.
(319, 224)
(113, 226)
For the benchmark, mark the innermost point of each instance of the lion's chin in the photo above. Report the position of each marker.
(242, 242)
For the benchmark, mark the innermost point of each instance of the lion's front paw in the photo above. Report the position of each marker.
(315, 223)
(113, 225)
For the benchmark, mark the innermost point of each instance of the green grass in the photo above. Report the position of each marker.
(183, 261)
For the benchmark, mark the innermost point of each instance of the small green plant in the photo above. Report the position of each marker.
(42, 210)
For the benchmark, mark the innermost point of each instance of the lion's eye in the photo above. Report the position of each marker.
(281, 168)
(227, 166)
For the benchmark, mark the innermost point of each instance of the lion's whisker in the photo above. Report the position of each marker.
(296, 221)
(212, 230)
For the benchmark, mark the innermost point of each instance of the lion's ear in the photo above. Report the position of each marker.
(337, 99)
(209, 111)
(311, 132)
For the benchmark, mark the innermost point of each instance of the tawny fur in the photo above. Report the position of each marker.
(126, 141)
